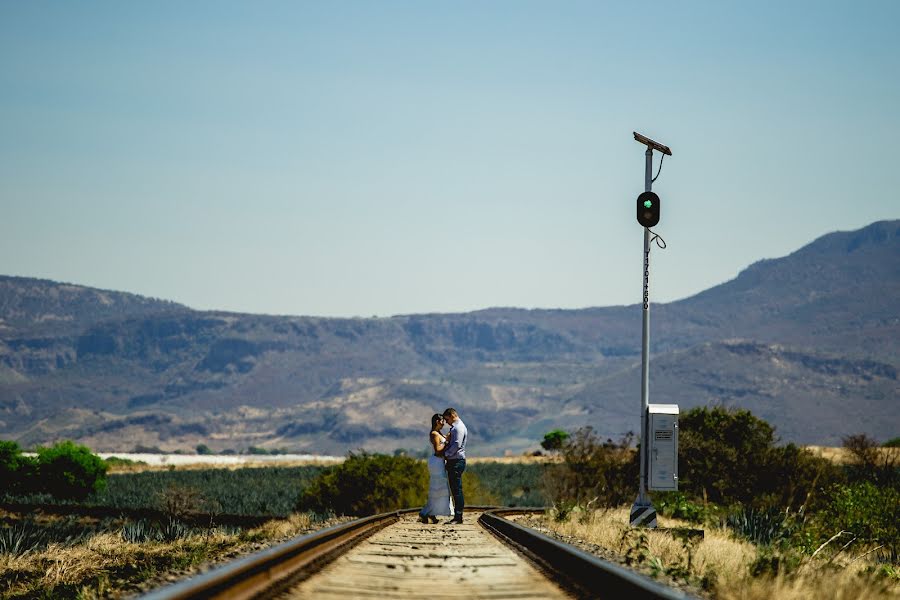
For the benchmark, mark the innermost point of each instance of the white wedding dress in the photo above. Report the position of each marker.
(440, 503)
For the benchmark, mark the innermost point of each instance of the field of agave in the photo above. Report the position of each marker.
(265, 491)
(273, 491)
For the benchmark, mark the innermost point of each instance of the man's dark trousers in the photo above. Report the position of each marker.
(455, 468)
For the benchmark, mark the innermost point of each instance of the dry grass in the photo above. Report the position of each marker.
(842, 456)
(93, 567)
(104, 565)
(841, 585)
(724, 561)
(718, 551)
(275, 529)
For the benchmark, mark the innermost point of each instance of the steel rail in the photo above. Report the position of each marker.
(250, 576)
(266, 573)
(271, 570)
(583, 574)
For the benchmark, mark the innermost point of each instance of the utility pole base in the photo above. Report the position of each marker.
(643, 515)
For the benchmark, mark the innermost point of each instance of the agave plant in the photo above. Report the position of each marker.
(762, 527)
(19, 539)
(173, 529)
(138, 532)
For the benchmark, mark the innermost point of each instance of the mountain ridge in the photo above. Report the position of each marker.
(792, 338)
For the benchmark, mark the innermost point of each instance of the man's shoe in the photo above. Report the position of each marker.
(433, 519)
(424, 519)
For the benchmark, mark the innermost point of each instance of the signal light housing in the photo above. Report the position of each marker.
(648, 209)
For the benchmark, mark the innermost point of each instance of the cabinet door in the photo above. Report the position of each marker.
(663, 452)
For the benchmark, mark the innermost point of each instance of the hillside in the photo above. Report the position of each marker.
(808, 341)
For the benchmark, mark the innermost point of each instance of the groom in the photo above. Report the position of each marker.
(455, 453)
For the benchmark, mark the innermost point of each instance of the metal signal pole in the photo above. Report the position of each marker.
(642, 511)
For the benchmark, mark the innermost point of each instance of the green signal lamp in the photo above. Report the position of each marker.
(648, 205)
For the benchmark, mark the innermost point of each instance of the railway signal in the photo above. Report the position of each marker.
(665, 417)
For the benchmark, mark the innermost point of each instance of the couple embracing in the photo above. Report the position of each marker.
(445, 468)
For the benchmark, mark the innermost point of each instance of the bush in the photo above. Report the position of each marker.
(16, 470)
(70, 471)
(730, 456)
(593, 472)
(869, 462)
(723, 453)
(367, 484)
(869, 512)
(678, 506)
(892, 443)
(204, 450)
(794, 479)
(141, 449)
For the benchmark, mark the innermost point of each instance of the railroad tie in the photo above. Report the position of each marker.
(411, 561)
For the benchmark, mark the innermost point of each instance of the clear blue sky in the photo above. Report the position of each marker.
(362, 158)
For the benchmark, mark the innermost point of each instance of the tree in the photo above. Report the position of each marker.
(203, 449)
(70, 471)
(555, 440)
(728, 455)
(869, 461)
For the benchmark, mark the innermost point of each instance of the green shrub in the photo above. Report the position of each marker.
(892, 443)
(367, 484)
(869, 512)
(141, 449)
(593, 472)
(70, 471)
(16, 470)
(723, 453)
(729, 456)
(678, 506)
(204, 450)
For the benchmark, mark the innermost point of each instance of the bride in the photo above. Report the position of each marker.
(439, 501)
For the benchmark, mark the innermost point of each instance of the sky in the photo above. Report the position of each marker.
(380, 158)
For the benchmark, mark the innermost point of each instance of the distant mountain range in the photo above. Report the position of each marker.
(810, 342)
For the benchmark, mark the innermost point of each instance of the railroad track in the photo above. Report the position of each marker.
(392, 555)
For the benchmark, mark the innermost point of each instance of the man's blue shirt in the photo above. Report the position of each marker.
(456, 447)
